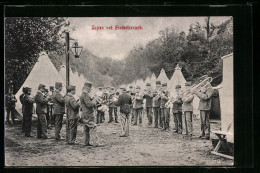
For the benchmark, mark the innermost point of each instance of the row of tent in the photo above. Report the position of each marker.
(45, 73)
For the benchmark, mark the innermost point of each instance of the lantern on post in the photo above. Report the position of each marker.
(76, 49)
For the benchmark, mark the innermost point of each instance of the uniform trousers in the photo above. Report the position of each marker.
(138, 115)
(149, 115)
(157, 116)
(125, 124)
(165, 117)
(23, 122)
(205, 123)
(188, 122)
(89, 131)
(58, 125)
(178, 121)
(10, 110)
(73, 125)
(41, 126)
(27, 123)
(99, 117)
(111, 111)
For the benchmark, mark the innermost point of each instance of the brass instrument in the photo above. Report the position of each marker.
(196, 87)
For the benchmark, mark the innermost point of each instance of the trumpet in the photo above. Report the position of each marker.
(196, 87)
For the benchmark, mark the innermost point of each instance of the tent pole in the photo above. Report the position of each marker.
(67, 59)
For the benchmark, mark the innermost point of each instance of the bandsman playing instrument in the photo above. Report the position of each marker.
(105, 100)
(156, 105)
(72, 106)
(187, 109)
(124, 101)
(112, 98)
(131, 90)
(52, 116)
(99, 95)
(138, 106)
(148, 95)
(21, 100)
(10, 101)
(48, 109)
(41, 110)
(177, 111)
(58, 111)
(88, 103)
(165, 112)
(28, 111)
(205, 94)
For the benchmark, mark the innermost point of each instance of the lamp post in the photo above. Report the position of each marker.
(76, 51)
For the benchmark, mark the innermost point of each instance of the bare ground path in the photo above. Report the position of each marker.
(144, 147)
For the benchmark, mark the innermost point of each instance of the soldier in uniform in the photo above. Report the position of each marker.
(10, 101)
(204, 106)
(48, 110)
(41, 111)
(58, 111)
(138, 106)
(52, 117)
(28, 102)
(105, 99)
(124, 101)
(187, 109)
(21, 100)
(112, 106)
(72, 106)
(88, 103)
(165, 112)
(131, 90)
(99, 94)
(177, 111)
(156, 105)
(149, 104)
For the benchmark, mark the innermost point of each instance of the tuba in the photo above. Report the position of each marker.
(203, 81)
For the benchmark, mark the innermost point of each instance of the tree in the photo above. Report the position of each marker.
(25, 38)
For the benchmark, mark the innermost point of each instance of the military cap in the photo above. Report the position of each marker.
(51, 87)
(148, 84)
(158, 82)
(41, 86)
(138, 87)
(71, 87)
(177, 86)
(58, 84)
(123, 89)
(131, 86)
(24, 89)
(46, 90)
(100, 88)
(164, 84)
(188, 84)
(28, 88)
(87, 83)
(112, 88)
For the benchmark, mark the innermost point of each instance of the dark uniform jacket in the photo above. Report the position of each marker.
(177, 105)
(205, 99)
(58, 103)
(149, 99)
(156, 101)
(187, 104)
(28, 104)
(164, 99)
(41, 103)
(10, 101)
(111, 103)
(138, 101)
(73, 107)
(123, 100)
(87, 105)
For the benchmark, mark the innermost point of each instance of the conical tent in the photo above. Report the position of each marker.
(153, 80)
(43, 72)
(177, 79)
(147, 80)
(163, 77)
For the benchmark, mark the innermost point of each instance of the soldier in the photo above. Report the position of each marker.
(177, 111)
(58, 111)
(28, 102)
(99, 94)
(138, 106)
(48, 109)
(204, 106)
(165, 112)
(156, 105)
(149, 104)
(187, 109)
(131, 91)
(105, 99)
(10, 101)
(112, 107)
(88, 103)
(73, 114)
(52, 117)
(41, 111)
(124, 101)
(21, 100)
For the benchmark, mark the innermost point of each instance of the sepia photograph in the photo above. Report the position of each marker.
(119, 91)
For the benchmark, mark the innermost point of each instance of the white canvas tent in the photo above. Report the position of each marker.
(163, 77)
(226, 94)
(43, 72)
(147, 80)
(177, 79)
(153, 80)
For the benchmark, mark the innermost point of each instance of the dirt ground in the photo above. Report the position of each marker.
(144, 147)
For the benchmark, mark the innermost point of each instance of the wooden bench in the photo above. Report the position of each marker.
(224, 137)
